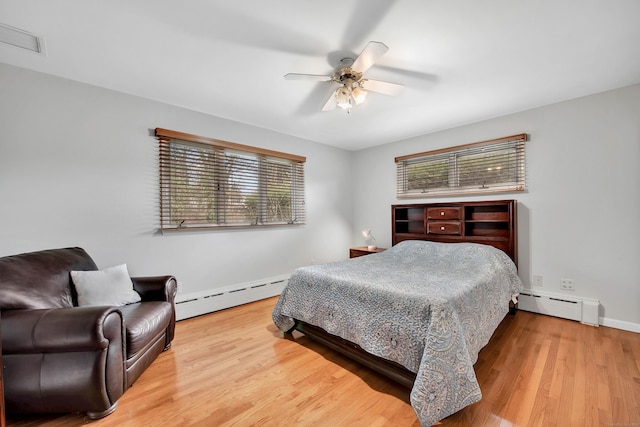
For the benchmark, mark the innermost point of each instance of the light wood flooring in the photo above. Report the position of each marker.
(233, 368)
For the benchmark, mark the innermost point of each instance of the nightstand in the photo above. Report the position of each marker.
(363, 250)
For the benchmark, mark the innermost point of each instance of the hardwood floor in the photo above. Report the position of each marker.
(233, 368)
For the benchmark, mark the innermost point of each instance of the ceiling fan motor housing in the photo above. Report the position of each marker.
(345, 72)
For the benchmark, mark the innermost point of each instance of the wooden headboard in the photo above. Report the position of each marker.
(489, 222)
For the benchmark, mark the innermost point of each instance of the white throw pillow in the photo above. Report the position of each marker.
(111, 286)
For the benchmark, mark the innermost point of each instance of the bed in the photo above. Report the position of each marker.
(418, 312)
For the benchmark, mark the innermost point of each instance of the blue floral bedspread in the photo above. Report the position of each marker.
(428, 306)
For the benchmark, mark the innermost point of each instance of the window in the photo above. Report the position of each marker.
(208, 183)
(484, 167)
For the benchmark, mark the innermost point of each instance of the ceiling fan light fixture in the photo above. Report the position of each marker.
(343, 97)
(359, 95)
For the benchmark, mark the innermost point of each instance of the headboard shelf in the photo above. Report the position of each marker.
(488, 222)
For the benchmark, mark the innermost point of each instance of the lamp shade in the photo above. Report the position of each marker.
(371, 241)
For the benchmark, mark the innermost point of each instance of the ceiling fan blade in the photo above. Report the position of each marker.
(366, 16)
(370, 54)
(331, 102)
(316, 77)
(412, 78)
(385, 88)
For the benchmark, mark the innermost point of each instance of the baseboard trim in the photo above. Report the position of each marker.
(197, 304)
(620, 324)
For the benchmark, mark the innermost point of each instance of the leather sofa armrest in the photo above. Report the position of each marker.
(64, 360)
(159, 288)
(156, 288)
(60, 330)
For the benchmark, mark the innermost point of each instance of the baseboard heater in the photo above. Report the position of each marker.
(585, 310)
(196, 304)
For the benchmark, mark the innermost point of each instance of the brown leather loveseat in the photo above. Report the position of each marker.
(61, 357)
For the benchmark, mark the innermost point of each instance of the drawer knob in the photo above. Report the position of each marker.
(442, 213)
(442, 228)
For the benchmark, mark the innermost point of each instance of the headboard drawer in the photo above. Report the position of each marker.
(444, 213)
(444, 227)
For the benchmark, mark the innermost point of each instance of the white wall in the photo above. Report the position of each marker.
(78, 167)
(580, 217)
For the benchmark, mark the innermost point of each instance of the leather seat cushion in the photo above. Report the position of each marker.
(144, 322)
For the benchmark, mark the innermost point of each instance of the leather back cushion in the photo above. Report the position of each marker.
(41, 279)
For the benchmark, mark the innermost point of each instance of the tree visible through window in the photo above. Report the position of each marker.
(428, 174)
(208, 183)
(489, 166)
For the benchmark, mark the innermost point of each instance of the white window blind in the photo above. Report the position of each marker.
(208, 183)
(491, 166)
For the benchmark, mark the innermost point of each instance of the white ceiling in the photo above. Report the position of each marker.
(461, 60)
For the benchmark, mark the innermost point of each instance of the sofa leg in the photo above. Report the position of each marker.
(102, 414)
(167, 347)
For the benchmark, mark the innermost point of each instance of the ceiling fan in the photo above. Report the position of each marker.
(349, 75)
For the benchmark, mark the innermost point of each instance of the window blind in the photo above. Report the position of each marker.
(496, 165)
(208, 183)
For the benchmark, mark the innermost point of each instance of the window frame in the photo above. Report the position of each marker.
(215, 161)
(510, 148)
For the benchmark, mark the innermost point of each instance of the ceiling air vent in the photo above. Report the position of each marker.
(22, 39)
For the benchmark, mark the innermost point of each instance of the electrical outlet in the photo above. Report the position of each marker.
(179, 287)
(537, 280)
(567, 285)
